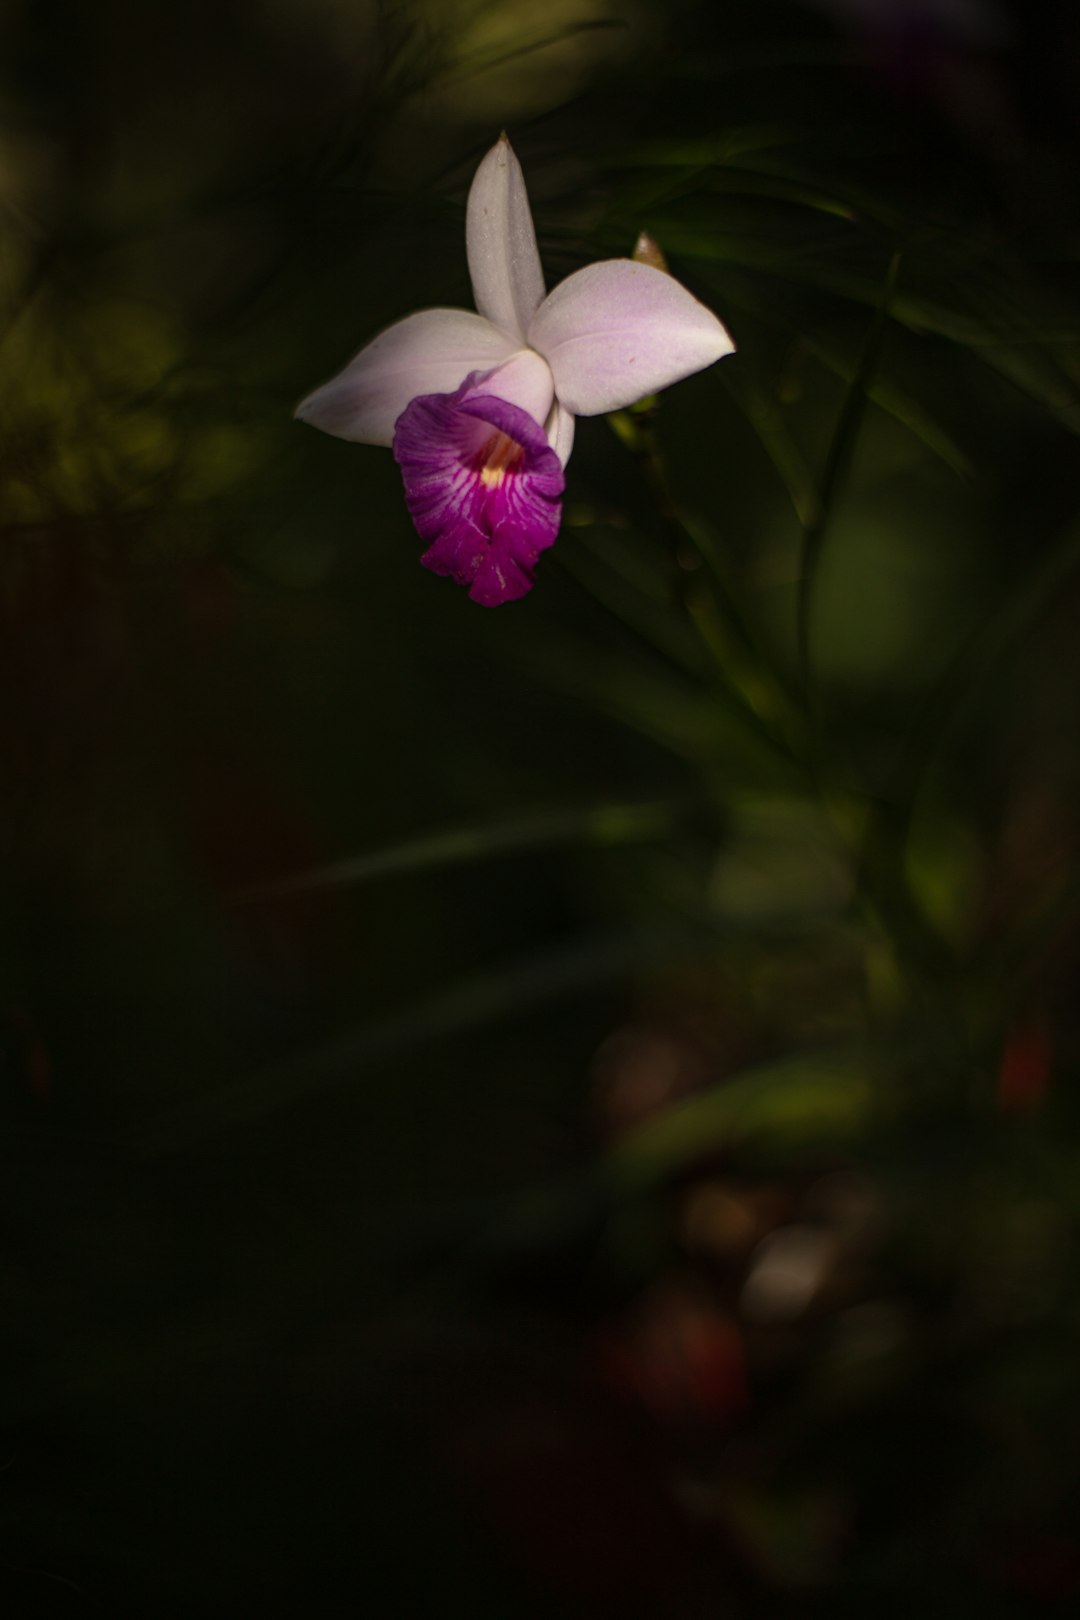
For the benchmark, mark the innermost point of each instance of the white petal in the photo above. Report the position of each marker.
(525, 380)
(504, 264)
(559, 428)
(618, 330)
(431, 352)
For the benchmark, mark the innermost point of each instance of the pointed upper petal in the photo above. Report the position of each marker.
(618, 330)
(508, 283)
(431, 352)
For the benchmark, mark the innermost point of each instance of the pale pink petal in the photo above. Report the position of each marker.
(560, 431)
(524, 380)
(431, 352)
(504, 264)
(618, 330)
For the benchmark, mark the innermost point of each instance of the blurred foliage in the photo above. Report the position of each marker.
(565, 1111)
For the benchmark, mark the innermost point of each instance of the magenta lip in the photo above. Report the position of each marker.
(484, 532)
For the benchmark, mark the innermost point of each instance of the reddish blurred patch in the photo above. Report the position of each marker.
(1049, 1568)
(576, 1491)
(34, 1062)
(246, 827)
(680, 1356)
(677, 1045)
(1024, 1072)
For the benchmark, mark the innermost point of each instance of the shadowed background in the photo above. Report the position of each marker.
(565, 1110)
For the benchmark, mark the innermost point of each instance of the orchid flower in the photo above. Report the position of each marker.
(480, 408)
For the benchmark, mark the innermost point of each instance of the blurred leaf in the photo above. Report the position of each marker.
(600, 826)
(892, 399)
(944, 870)
(841, 450)
(790, 1111)
(645, 608)
(481, 1000)
(782, 861)
(689, 723)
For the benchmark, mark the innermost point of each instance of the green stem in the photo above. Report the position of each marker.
(837, 463)
(751, 680)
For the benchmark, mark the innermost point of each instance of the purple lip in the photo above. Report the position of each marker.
(483, 487)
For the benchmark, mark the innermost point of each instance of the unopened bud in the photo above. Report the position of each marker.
(647, 251)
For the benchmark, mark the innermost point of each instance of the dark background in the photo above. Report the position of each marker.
(566, 1110)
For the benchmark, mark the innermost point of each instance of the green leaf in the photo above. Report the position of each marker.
(601, 825)
(465, 1004)
(796, 1108)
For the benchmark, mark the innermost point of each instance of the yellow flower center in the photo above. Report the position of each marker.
(501, 455)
